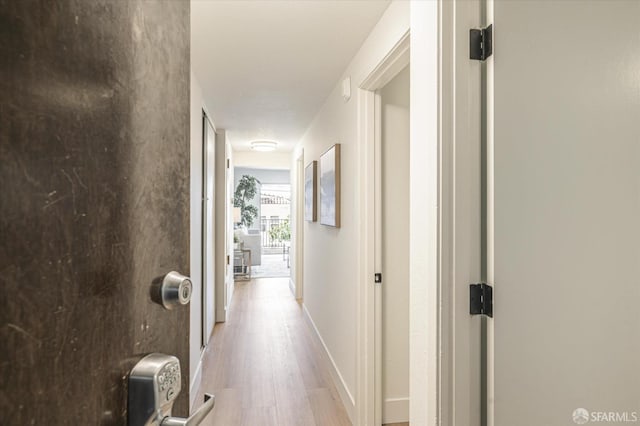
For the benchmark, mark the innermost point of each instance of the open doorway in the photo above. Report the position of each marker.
(275, 230)
(392, 248)
(384, 319)
(262, 234)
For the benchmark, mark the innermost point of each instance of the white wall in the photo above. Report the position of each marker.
(262, 160)
(331, 255)
(395, 249)
(264, 175)
(195, 244)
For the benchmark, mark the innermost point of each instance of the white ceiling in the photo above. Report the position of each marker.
(266, 67)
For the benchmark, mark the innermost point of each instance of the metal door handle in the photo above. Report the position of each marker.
(154, 385)
(196, 418)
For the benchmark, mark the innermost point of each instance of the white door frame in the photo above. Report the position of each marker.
(208, 230)
(223, 225)
(460, 200)
(369, 347)
(299, 234)
(445, 240)
(229, 191)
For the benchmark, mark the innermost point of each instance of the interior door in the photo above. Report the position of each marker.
(94, 149)
(208, 229)
(564, 97)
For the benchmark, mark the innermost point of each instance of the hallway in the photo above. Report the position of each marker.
(263, 365)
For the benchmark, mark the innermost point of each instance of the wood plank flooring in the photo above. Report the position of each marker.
(264, 366)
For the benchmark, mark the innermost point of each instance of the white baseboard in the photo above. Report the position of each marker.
(395, 410)
(341, 386)
(292, 286)
(194, 387)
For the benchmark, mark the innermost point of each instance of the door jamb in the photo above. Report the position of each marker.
(222, 218)
(299, 248)
(459, 217)
(208, 277)
(368, 391)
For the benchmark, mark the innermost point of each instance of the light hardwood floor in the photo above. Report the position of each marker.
(264, 366)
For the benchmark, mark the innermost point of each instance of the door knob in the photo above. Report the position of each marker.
(154, 385)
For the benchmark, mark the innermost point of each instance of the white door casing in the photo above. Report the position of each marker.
(458, 391)
(299, 234)
(208, 230)
(222, 235)
(369, 396)
(229, 176)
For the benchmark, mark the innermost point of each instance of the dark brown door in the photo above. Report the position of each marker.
(94, 178)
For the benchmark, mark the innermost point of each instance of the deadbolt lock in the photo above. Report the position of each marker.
(175, 290)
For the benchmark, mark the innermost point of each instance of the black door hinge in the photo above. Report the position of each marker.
(481, 43)
(481, 299)
(377, 278)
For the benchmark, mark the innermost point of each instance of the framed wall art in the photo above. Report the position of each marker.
(311, 192)
(330, 187)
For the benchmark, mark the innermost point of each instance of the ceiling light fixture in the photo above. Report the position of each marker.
(263, 146)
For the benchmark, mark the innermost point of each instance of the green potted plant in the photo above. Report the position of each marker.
(244, 193)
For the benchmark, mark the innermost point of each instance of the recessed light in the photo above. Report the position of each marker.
(263, 146)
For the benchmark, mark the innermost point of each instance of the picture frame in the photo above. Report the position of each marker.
(311, 192)
(330, 187)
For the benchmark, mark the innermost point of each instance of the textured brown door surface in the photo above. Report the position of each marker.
(94, 178)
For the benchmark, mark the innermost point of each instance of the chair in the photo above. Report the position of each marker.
(253, 241)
